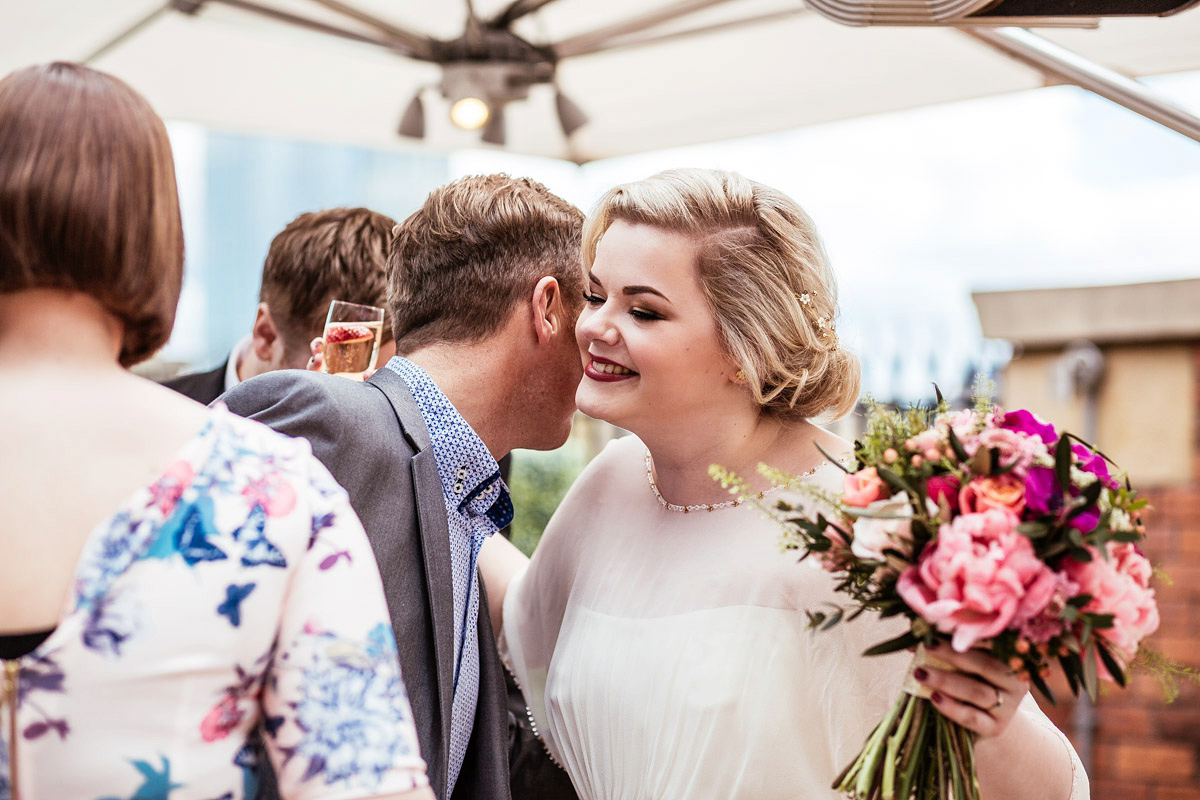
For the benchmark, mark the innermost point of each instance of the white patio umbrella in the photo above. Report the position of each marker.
(645, 74)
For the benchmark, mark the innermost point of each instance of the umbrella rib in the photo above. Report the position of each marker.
(128, 33)
(588, 42)
(320, 27)
(421, 46)
(516, 10)
(641, 41)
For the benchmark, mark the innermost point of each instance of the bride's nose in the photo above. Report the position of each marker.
(595, 325)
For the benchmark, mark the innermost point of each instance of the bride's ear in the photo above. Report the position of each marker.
(549, 316)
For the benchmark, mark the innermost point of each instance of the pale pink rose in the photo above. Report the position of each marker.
(1049, 622)
(1005, 491)
(965, 424)
(930, 438)
(977, 578)
(890, 531)
(1013, 447)
(837, 556)
(1119, 585)
(863, 488)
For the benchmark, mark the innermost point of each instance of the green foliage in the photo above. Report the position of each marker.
(538, 483)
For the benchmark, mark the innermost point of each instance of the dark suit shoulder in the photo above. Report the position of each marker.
(203, 387)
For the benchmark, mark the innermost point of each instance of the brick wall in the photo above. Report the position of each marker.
(1144, 748)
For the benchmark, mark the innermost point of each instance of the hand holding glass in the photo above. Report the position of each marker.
(352, 336)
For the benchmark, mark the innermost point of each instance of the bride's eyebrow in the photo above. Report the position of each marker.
(630, 290)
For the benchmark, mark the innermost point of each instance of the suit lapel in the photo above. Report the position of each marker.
(435, 537)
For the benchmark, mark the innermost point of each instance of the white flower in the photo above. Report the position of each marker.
(889, 528)
(1120, 520)
(1081, 478)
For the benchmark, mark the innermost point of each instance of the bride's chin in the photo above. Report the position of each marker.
(589, 407)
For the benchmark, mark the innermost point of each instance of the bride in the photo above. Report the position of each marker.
(659, 632)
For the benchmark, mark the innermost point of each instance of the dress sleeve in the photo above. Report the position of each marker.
(1080, 785)
(337, 721)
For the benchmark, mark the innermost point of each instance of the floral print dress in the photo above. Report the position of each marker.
(234, 600)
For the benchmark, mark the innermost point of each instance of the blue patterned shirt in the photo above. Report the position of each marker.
(477, 505)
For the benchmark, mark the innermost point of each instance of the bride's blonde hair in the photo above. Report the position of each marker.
(765, 275)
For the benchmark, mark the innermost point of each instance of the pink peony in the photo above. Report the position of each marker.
(977, 578)
(863, 488)
(1005, 492)
(1119, 585)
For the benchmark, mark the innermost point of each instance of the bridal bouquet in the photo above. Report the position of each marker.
(985, 529)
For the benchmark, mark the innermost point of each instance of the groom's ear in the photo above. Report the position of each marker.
(549, 315)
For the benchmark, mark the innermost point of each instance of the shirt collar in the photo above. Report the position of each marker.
(469, 474)
(235, 360)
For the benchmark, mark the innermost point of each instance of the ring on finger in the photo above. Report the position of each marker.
(999, 700)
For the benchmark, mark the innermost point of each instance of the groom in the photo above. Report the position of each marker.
(484, 286)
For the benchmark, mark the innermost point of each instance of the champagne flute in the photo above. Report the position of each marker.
(351, 339)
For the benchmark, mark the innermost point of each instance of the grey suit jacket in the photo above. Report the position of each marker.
(372, 438)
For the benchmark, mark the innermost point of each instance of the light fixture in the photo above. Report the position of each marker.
(479, 91)
(493, 132)
(470, 113)
(570, 116)
(412, 123)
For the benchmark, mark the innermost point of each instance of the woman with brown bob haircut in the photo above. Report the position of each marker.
(173, 579)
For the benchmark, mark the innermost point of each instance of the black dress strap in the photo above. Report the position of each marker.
(16, 645)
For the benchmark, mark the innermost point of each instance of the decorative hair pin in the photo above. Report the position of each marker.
(824, 324)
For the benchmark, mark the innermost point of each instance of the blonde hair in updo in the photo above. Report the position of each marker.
(758, 254)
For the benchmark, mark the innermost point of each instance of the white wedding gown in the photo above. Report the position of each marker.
(666, 655)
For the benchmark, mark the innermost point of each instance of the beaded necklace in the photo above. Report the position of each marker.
(712, 506)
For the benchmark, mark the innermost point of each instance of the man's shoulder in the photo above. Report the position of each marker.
(203, 387)
(292, 387)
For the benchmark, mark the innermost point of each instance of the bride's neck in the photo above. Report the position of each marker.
(681, 462)
(50, 329)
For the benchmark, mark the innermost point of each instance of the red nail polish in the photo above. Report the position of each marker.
(936, 697)
(920, 674)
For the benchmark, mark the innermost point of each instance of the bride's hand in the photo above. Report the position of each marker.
(982, 696)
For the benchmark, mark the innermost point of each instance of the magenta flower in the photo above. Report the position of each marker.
(1095, 464)
(1027, 422)
(977, 578)
(944, 487)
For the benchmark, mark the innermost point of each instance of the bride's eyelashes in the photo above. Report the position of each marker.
(643, 314)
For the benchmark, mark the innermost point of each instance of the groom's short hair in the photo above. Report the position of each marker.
(476, 248)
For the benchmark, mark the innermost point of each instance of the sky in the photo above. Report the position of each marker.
(1044, 188)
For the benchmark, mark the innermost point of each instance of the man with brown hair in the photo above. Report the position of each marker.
(484, 287)
(320, 256)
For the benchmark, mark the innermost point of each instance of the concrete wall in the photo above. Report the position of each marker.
(1144, 418)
